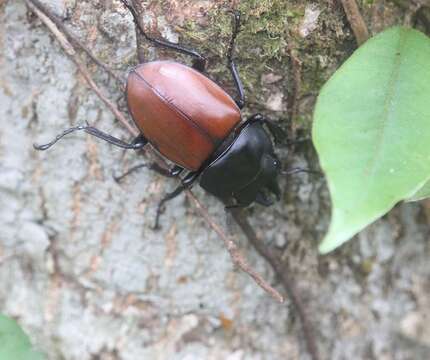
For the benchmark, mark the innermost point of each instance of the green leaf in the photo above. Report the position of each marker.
(372, 130)
(14, 343)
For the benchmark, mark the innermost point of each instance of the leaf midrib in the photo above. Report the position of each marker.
(370, 168)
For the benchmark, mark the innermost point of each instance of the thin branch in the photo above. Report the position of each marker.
(76, 42)
(140, 39)
(356, 20)
(236, 256)
(283, 274)
(70, 51)
(414, 11)
(293, 102)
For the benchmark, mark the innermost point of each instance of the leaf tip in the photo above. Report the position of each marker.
(326, 246)
(335, 238)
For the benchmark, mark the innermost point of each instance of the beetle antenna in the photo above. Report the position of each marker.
(138, 143)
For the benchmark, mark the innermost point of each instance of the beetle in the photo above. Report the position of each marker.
(198, 126)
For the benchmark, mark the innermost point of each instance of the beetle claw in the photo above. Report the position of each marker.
(274, 188)
(263, 199)
(160, 210)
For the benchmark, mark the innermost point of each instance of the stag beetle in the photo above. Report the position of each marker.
(198, 126)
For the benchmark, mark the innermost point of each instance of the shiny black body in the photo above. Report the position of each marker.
(246, 170)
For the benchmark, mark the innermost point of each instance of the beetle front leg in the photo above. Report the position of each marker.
(136, 144)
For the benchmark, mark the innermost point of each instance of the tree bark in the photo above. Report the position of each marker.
(80, 266)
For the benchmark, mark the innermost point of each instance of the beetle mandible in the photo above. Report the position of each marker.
(198, 126)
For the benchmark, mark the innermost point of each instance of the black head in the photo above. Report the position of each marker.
(247, 170)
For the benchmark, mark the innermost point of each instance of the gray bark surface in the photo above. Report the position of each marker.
(86, 276)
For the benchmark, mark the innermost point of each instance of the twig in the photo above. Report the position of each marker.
(283, 274)
(414, 11)
(75, 41)
(356, 20)
(139, 36)
(70, 51)
(236, 256)
(293, 103)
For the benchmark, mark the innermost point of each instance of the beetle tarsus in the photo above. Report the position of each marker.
(58, 137)
(186, 183)
(274, 188)
(263, 199)
(166, 198)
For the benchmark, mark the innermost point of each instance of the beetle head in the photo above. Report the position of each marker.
(246, 171)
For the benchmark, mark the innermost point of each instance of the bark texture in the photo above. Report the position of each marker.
(82, 270)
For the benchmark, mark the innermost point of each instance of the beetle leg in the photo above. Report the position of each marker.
(273, 187)
(119, 178)
(231, 64)
(199, 61)
(262, 199)
(166, 198)
(190, 178)
(175, 171)
(137, 143)
(187, 181)
(140, 141)
(277, 132)
(235, 206)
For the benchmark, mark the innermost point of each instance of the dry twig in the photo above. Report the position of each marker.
(76, 42)
(235, 255)
(281, 271)
(70, 51)
(356, 20)
(293, 103)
